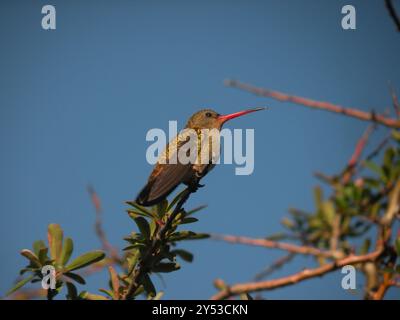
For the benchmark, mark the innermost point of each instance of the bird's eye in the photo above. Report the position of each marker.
(208, 114)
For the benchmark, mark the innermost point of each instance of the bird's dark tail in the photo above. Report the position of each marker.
(159, 186)
(143, 196)
(149, 195)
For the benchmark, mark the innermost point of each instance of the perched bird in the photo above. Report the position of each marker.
(166, 176)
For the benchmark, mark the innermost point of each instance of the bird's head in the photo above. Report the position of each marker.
(210, 119)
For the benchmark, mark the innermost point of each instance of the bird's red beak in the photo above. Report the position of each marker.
(227, 117)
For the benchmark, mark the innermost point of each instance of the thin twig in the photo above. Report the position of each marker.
(273, 244)
(107, 246)
(325, 178)
(395, 100)
(355, 158)
(276, 265)
(383, 288)
(379, 147)
(327, 106)
(392, 13)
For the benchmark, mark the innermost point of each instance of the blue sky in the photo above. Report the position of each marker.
(76, 103)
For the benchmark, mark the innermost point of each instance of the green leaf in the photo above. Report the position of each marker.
(141, 209)
(299, 214)
(148, 285)
(246, 296)
(143, 226)
(398, 269)
(31, 257)
(55, 237)
(161, 208)
(315, 223)
(24, 270)
(43, 258)
(374, 168)
(75, 277)
(72, 291)
(134, 238)
(159, 295)
(132, 260)
(287, 223)
(66, 252)
(398, 246)
(52, 293)
(318, 197)
(133, 246)
(193, 211)
(277, 236)
(134, 213)
(90, 296)
(114, 281)
(187, 235)
(388, 157)
(396, 134)
(365, 247)
(85, 260)
(107, 292)
(139, 291)
(20, 284)
(153, 227)
(372, 182)
(199, 236)
(185, 255)
(166, 267)
(328, 211)
(37, 245)
(189, 220)
(176, 199)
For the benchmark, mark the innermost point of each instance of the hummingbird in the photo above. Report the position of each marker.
(165, 177)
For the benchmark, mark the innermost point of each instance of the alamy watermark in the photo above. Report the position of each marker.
(349, 280)
(49, 18)
(348, 21)
(349, 18)
(49, 277)
(203, 146)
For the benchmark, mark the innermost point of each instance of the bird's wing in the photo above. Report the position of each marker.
(164, 181)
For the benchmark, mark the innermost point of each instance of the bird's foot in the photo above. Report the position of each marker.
(193, 187)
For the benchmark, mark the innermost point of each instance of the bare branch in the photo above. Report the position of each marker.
(327, 106)
(28, 294)
(295, 278)
(107, 246)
